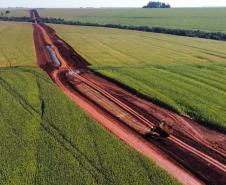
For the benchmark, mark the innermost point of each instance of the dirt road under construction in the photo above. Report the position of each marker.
(193, 154)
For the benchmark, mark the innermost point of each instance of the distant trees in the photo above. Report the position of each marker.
(157, 4)
(6, 12)
(15, 19)
(180, 32)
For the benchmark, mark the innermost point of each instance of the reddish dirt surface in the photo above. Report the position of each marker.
(184, 128)
(193, 152)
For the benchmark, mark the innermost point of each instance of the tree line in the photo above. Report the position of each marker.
(157, 4)
(6, 12)
(16, 19)
(180, 32)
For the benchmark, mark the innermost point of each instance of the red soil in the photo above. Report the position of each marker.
(127, 135)
(166, 153)
(184, 128)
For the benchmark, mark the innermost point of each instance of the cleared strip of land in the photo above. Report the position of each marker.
(184, 74)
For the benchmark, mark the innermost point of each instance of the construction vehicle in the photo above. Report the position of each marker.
(161, 130)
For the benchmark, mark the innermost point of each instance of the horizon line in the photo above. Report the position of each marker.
(114, 7)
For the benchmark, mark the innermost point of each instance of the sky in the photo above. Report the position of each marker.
(106, 3)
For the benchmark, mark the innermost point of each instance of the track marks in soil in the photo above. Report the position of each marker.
(58, 136)
(91, 131)
(175, 95)
(18, 97)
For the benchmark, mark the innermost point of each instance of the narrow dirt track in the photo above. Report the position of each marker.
(194, 154)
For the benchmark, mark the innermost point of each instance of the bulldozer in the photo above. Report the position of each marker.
(161, 130)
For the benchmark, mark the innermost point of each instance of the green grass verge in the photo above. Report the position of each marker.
(46, 139)
(206, 19)
(186, 74)
(16, 45)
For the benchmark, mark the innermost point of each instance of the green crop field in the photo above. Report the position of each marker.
(17, 12)
(46, 139)
(185, 74)
(16, 44)
(206, 19)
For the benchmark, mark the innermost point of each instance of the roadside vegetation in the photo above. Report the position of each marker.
(183, 74)
(46, 139)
